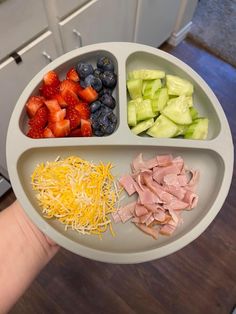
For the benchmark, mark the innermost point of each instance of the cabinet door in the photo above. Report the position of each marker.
(20, 22)
(64, 8)
(99, 21)
(155, 21)
(14, 78)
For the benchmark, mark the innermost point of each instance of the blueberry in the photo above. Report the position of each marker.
(105, 109)
(98, 132)
(105, 64)
(84, 69)
(93, 81)
(94, 106)
(82, 84)
(109, 79)
(110, 128)
(97, 72)
(105, 90)
(108, 101)
(112, 118)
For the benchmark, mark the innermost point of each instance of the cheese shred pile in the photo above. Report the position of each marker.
(78, 193)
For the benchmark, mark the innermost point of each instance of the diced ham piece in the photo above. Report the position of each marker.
(126, 212)
(159, 215)
(183, 179)
(175, 191)
(191, 198)
(149, 230)
(194, 180)
(138, 163)
(127, 182)
(140, 210)
(146, 196)
(176, 205)
(164, 160)
(167, 229)
(116, 217)
(179, 162)
(160, 172)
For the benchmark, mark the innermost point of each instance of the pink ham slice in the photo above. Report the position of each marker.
(127, 182)
(149, 230)
(175, 191)
(167, 229)
(191, 198)
(160, 172)
(126, 212)
(140, 210)
(164, 160)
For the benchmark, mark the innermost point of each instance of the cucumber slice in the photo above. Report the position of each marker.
(162, 127)
(177, 110)
(190, 101)
(162, 98)
(144, 110)
(150, 87)
(198, 130)
(142, 126)
(146, 74)
(194, 113)
(178, 86)
(135, 88)
(181, 129)
(132, 121)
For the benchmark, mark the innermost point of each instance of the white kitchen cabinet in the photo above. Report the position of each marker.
(155, 21)
(20, 21)
(99, 21)
(14, 78)
(64, 8)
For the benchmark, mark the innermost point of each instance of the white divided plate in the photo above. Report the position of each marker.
(213, 157)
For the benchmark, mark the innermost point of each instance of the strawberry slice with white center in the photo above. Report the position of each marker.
(51, 78)
(86, 128)
(33, 104)
(60, 128)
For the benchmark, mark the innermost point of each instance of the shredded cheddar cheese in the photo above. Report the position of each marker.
(78, 193)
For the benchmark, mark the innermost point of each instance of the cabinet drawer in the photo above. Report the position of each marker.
(64, 8)
(14, 78)
(20, 21)
(99, 21)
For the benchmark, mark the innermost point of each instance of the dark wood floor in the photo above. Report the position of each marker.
(201, 278)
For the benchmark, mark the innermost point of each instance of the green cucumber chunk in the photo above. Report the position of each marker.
(178, 86)
(193, 112)
(190, 101)
(132, 121)
(146, 74)
(177, 110)
(198, 130)
(142, 126)
(144, 110)
(162, 127)
(181, 129)
(135, 88)
(150, 87)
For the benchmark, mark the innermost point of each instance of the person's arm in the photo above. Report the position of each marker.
(24, 251)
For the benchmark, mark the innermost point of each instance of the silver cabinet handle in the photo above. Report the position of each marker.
(47, 56)
(78, 35)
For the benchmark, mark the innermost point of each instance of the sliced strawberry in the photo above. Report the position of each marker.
(70, 97)
(83, 109)
(75, 133)
(86, 128)
(48, 91)
(47, 133)
(33, 104)
(61, 100)
(72, 75)
(40, 119)
(71, 85)
(73, 115)
(56, 116)
(51, 78)
(88, 94)
(52, 105)
(35, 133)
(60, 128)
